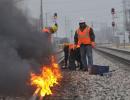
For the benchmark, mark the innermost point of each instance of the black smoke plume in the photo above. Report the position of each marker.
(22, 48)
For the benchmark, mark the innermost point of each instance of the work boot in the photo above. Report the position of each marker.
(90, 71)
(63, 67)
(85, 68)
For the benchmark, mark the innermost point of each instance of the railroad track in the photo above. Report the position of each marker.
(117, 50)
(119, 55)
(59, 56)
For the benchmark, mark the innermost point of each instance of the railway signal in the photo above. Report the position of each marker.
(113, 24)
(113, 11)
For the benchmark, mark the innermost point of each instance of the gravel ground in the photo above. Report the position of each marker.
(78, 85)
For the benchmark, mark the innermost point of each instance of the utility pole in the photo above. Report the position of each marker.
(41, 15)
(125, 19)
(92, 24)
(125, 14)
(66, 26)
(71, 35)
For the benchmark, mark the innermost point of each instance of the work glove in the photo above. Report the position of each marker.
(93, 44)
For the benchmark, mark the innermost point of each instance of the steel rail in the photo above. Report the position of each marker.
(117, 50)
(120, 59)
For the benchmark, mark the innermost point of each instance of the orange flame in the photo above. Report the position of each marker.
(49, 76)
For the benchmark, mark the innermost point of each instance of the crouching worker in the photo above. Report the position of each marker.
(66, 54)
(72, 65)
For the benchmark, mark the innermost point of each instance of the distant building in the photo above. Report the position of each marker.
(122, 37)
(127, 16)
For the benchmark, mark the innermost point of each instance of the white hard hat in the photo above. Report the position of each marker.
(82, 20)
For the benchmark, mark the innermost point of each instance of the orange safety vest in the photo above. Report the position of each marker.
(71, 46)
(46, 30)
(84, 36)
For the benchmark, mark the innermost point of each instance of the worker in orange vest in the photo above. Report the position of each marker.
(84, 36)
(50, 30)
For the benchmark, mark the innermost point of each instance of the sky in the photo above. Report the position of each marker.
(97, 12)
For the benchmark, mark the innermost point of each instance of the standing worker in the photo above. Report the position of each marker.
(84, 36)
(78, 57)
(51, 29)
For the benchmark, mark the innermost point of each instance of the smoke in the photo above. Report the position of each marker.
(22, 48)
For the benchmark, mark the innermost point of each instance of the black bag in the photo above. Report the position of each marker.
(99, 70)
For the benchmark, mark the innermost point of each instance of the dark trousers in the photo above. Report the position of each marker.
(72, 65)
(78, 57)
(66, 60)
(86, 55)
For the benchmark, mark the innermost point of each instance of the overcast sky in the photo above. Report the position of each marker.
(96, 11)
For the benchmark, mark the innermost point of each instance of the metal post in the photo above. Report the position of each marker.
(125, 19)
(92, 24)
(66, 27)
(41, 16)
(113, 26)
(124, 39)
(71, 36)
